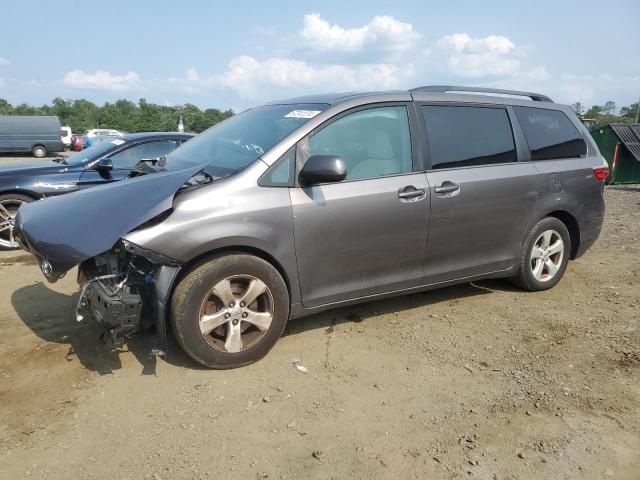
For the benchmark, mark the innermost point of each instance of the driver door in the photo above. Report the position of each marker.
(367, 234)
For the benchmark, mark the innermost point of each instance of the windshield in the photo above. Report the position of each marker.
(240, 140)
(93, 152)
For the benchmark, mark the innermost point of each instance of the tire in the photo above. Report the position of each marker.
(39, 151)
(9, 204)
(540, 251)
(196, 306)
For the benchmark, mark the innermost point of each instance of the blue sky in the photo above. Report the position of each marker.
(237, 54)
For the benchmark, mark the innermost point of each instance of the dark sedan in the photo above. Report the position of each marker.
(104, 162)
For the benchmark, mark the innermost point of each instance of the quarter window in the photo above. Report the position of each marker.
(281, 173)
(550, 134)
(129, 157)
(468, 136)
(373, 142)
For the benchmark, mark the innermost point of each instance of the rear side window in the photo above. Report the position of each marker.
(550, 134)
(468, 136)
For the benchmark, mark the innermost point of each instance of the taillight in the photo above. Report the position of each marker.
(601, 173)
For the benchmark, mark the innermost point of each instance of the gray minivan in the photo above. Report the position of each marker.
(302, 205)
(38, 134)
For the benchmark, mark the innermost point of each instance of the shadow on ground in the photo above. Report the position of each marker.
(363, 311)
(50, 315)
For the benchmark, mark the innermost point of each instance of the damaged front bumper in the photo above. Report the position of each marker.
(124, 291)
(124, 287)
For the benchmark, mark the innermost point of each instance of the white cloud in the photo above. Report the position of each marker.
(249, 76)
(479, 57)
(596, 88)
(101, 80)
(533, 79)
(382, 33)
(4, 61)
(568, 88)
(192, 75)
(535, 74)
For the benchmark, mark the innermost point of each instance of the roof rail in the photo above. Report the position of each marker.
(536, 97)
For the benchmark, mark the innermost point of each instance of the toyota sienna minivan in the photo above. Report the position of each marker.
(302, 205)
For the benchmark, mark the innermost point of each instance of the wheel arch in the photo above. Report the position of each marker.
(573, 227)
(19, 191)
(231, 249)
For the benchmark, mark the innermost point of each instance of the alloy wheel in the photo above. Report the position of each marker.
(236, 313)
(8, 209)
(546, 255)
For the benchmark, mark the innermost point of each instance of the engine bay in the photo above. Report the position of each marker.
(117, 294)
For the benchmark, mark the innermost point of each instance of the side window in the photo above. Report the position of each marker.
(373, 142)
(468, 136)
(281, 173)
(129, 157)
(550, 134)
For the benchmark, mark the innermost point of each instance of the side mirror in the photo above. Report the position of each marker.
(322, 169)
(104, 164)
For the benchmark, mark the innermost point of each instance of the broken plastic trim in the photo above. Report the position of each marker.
(153, 257)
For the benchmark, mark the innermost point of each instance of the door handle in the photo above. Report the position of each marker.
(411, 192)
(447, 187)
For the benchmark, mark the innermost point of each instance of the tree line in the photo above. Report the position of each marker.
(607, 113)
(124, 115)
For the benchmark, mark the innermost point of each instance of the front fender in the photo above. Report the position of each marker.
(234, 213)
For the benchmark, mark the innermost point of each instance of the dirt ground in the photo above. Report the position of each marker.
(479, 380)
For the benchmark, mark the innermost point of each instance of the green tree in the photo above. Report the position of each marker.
(627, 114)
(5, 107)
(594, 112)
(609, 108)
(125, 115)
(578, 109)
(24, 109)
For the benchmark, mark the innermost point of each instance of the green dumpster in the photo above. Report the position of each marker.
(619, 143)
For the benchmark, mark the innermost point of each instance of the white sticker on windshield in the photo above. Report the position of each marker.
(117, 141)
(302, 114)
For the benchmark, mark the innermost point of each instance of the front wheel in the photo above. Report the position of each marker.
(544, 256)
(230, 310)
(9, 204)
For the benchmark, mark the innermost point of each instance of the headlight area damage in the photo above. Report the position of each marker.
(124, 286)
(125, 291)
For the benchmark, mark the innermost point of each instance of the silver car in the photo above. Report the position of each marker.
(302, 205)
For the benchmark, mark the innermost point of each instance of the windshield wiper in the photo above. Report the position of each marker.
(148, 165)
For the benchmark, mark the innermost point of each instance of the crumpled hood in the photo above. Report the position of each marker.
(69, 229)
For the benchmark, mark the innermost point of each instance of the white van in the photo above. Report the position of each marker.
(65, 136)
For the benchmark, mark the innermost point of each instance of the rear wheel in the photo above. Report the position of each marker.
(9, 204)
(39, 151)
(230, 310)
(545, 255)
